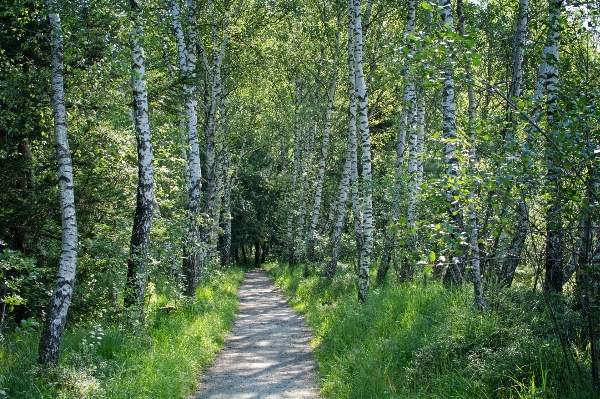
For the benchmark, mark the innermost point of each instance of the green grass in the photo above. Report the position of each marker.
(415, 341)
(161, 360)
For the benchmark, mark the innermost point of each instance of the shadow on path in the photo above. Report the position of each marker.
(267, 354)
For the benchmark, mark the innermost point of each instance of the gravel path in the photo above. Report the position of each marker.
(267, 354)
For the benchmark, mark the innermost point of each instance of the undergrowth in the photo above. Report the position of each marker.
(416, 341)
(108, 359)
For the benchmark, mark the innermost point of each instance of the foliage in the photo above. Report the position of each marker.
(426, 341)
(108, 359)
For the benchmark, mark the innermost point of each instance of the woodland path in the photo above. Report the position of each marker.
(267, 354)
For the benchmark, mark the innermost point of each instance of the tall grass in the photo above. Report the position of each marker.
(415, 341)
(106, 360)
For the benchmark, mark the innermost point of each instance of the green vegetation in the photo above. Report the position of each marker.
(425, 341)
(108, 359)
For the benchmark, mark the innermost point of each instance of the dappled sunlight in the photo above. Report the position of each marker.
(267, 353)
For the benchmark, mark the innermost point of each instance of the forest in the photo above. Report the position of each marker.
(419, 177)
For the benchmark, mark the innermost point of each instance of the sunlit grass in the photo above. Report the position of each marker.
(416, 341)
(104, 360)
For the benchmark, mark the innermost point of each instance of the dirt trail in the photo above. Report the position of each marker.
(267, 353)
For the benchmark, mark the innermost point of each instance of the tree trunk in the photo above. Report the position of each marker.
(352, 129)
(473, 225)
(256, 253)
(310, 241)
(56, 317)
(349, 174)
(140, 236)
(296, 167)
(407, 125)
(187, 62)
(215, 110)
(454, 274)
(363, 127)
(554, 235)
(513, 255)
(304, 172)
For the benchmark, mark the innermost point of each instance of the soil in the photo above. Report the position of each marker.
(267, 354)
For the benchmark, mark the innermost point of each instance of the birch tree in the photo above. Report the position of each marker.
(554, 235)
(472, 212)
(349, 173)
(407, 126)
(56, 317)
(187, 56)
(140, 236)
(310, 241)
(212, 58)
(366, 183)
(454, 273)
(513, 254)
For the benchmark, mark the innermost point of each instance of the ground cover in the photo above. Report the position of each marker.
(108, 359)
(427, 341)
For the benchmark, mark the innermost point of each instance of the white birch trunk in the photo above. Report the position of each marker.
(290, 241)
(213, 69)
(454, 274)
(187, 63)
(513, 255)
(310, 242)
(363, 126)
(352, 131)
(554, 236)
(228, 184)
(472, 213)
(56, 317)
(349, 173)
(304, 172)
(142, 223)
(407, 125)
(420, 138)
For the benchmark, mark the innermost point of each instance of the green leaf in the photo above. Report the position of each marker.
(432, 256)
(426, 6)
(427, 270)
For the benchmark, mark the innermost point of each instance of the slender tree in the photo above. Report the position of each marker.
(56, 317)
(407, 127)
(454, 273)
(472, 212)
(554, 235)
(187, 56)
(366, 183)
(513, 254)
(142, 222)
(349, 173)
(310, 241)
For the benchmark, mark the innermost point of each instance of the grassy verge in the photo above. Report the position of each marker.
(415, 341)
(106, 360)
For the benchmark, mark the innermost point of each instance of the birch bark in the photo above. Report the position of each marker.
(310, 242)
(56, 317)
(513, 254)
(187, 64)
(214, 72)
(554, 236)
(407, 127)
(363, 126)
(472, 213)
(349, 174)
(454, 273)
(140, 236)
(304, 173)
(295, 174)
